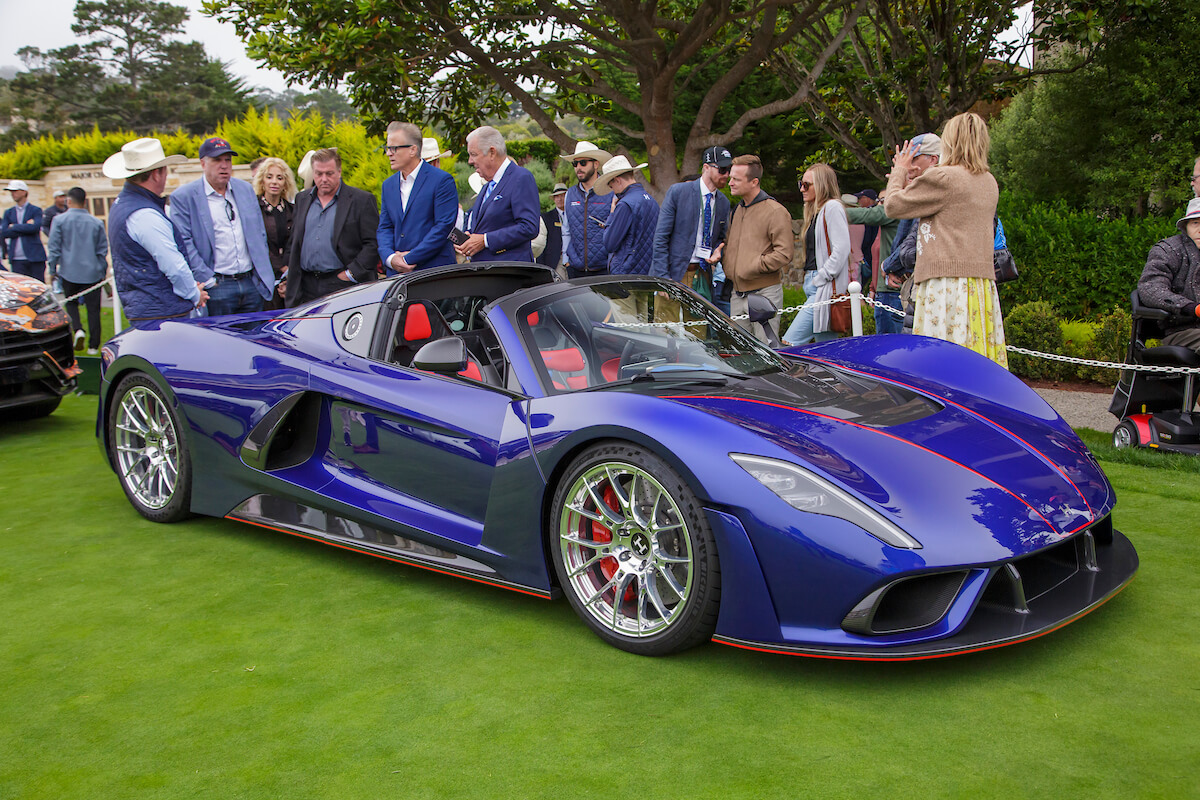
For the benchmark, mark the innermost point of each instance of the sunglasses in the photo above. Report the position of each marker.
(229, 212)
(583, 162)
(723, 170)
(805, 186)
(392, 148)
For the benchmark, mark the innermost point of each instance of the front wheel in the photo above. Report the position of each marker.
(149, 451)
(1125, 435)
(634, 553)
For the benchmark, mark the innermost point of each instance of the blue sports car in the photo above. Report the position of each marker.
(621, 442)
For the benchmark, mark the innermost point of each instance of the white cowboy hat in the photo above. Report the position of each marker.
(475, 181)
(611, 169)
(138, 156)
(17, 186)
(588, 150)
(431, 150)
(1193, 212)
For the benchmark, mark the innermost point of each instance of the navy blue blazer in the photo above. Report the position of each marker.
(678, 221)
(28, 229)
(191, 217)
(424, 227)
(510, 218)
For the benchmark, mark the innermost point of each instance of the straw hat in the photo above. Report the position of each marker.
(559, 188)
(612, 169)
(138, 156)
(588, 150)
(431, 150)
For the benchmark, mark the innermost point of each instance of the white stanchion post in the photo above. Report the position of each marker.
(856, 307)
(116, 298)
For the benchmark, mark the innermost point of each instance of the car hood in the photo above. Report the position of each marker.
(927, 462)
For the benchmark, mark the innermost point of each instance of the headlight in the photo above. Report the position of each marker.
(808, 492)
(45, 303)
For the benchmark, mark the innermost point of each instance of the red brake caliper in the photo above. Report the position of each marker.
(608, 564)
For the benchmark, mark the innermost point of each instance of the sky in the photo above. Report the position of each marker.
(47, 24)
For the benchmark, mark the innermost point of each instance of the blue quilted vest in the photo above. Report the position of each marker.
(145, 291)
(587, 236)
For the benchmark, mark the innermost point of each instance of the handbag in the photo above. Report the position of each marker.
(1002, 259)
(839, 310)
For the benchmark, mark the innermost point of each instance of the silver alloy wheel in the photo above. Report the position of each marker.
(147, 447)
(1124, 435)
(626, 549)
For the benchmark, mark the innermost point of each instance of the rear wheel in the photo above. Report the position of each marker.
(634, 552)
(1126, 435)
(149, 451)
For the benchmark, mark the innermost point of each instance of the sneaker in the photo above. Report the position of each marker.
(92, 351)
(79, 340)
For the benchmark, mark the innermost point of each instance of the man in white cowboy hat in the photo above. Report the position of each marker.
(558, 235)
(629, 234)
(1171, 280)
(20, 239)
(420, 206)
(506, 216)
(432, 152)
(153, 277)
(587, 213)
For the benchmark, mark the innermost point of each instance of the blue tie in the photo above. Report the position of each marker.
(487, 192)
(706, 236)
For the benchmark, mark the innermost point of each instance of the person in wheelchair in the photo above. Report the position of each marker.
(1171, 280)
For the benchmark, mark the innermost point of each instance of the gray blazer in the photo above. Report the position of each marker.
(190, 216)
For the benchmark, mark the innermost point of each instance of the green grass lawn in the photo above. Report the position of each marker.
(213, 659)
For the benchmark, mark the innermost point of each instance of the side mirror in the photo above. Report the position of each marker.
(762, 311)
(446, 356)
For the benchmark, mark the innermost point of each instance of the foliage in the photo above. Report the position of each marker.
(910, 65)
(1077, 261)
(326, 101)
(1034, 326)
(623, 66)
(127, 71)
(540, 149)
(1120, 134)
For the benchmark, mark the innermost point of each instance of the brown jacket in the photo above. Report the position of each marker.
(759, 244)
(955, 237)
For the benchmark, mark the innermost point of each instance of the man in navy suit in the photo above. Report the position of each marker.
(505, 216)
(20, 234)
(224, 238)
(420, 207)
(557, 234)
(693, 222)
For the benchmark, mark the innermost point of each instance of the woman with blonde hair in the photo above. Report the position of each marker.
(276, 186)
(826, 254)
(954, 284)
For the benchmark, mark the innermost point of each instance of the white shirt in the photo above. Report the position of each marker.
(406, 185)
(704, 193)
(231, 256)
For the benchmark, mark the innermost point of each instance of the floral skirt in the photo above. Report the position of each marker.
(965, 311)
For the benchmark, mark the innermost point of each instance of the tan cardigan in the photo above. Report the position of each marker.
(759, 244)
(955, 238)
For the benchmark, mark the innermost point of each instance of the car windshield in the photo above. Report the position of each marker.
(617, 333)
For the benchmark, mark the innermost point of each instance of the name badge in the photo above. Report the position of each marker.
(704, 253)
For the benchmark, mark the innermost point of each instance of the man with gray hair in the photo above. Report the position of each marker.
(505, 217)
(420, 206)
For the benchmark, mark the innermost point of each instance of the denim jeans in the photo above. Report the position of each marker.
(886, 322)
(801, 329)
(234, 296)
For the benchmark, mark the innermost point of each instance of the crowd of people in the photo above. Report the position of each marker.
(228, 246)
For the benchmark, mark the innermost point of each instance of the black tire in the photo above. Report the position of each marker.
(43, 408)
(149, 451)
(1126, 435)
(654, 586)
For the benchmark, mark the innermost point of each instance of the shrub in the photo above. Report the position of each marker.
(1034, 326)
(1110, 343)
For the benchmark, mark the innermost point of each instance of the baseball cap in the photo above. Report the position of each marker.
(871, 193)
(216, 146)
(927, 144)
(17, 186)
(718, 156)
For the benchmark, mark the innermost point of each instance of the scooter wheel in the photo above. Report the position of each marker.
(1126, 435)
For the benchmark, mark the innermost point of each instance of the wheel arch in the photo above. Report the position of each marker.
(117, 372)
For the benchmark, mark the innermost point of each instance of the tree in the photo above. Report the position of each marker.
(910, 65)
(623, 65)
(131, 73)
(1117, 135)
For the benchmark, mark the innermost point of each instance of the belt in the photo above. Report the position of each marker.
(220, 276)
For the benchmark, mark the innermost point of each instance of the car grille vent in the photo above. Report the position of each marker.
(906, 605)
(1019, 582)
(19, 346)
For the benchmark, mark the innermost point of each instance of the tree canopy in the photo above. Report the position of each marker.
(129, 71)
(625, 66)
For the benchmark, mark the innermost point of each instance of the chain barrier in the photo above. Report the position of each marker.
(89, 290)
